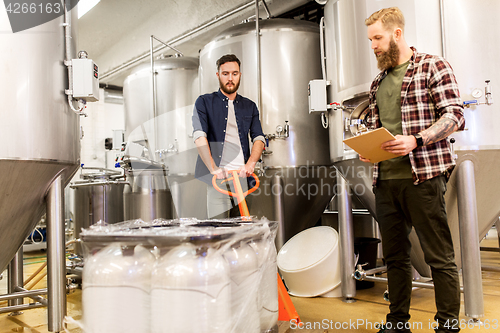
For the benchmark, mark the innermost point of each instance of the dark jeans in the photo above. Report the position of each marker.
(401, 205)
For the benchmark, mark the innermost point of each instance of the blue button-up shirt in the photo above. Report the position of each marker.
(210, 120)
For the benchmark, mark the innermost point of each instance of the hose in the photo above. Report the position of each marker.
(324, 120)
(33, 240)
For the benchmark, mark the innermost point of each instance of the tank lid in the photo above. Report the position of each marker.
(169, 63)
(269, 25)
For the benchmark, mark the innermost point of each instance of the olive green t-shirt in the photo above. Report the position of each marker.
(389, 105)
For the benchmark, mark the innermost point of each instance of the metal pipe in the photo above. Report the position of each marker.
(153, 85)
(257, 42)
(441, 14)
(489, 249)
(267, 9)
(56, 262)
(21, 307)
(322, 46)
(22, 294)
(167, 45)
(15, 275)
(34, 294)
(103, 183)
(376, 270)
(346, 234)
(67, 61)
(177, 39)
(469, 240)
(279, 209)
(497, 226)
(415, 284)
(490, 268)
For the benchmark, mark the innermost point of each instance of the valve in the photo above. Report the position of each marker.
(386, 295)
(453, 155)
(487, 93)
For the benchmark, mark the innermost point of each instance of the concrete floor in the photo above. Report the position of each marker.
(317, 314)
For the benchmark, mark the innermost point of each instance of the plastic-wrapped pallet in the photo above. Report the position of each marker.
(208, 276)
(191, 291)
(268, 289)
(117, 286)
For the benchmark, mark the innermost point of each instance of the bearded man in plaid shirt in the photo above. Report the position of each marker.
(416, 98)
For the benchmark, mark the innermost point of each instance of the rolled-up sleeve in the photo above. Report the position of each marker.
(199, 119)
(445, 93)
(256, 133)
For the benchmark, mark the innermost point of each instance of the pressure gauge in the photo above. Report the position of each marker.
(477, 93)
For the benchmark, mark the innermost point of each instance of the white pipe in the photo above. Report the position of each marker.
(324, 116)
(443, 35)
(322, 46)
(67, 62)
(257, 41)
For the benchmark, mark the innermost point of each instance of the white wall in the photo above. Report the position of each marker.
(102, 119)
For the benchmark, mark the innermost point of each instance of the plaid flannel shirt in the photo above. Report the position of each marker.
(428, 93)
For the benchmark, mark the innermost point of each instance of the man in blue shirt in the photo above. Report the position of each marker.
(222, 123)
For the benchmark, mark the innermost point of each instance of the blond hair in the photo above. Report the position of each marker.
(389, 17)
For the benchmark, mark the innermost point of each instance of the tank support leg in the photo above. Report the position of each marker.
(346, 235)
(56, 263)
(15, 278)
(279, 209)
(469, 240)
(497, 226)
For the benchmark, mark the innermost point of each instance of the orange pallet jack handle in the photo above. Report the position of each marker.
(287, 311)
(286, 308)
(239, 195)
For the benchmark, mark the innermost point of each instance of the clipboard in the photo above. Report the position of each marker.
(368, 144)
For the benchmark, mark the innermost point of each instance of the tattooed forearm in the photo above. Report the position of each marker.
(439, 131)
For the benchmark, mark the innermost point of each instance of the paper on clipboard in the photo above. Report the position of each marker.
(368, 144)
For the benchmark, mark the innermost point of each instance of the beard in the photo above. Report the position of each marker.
(388, 59)
(228, 90)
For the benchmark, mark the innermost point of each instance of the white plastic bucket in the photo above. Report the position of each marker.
(309, 262)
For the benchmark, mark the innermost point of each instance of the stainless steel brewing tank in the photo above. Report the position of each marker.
(289, 59)
(148, 197)
(176, 89)
(347, 49)
(38, 131)
(351, 65)
(98, 197)
(465, 24)
(169, 134)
